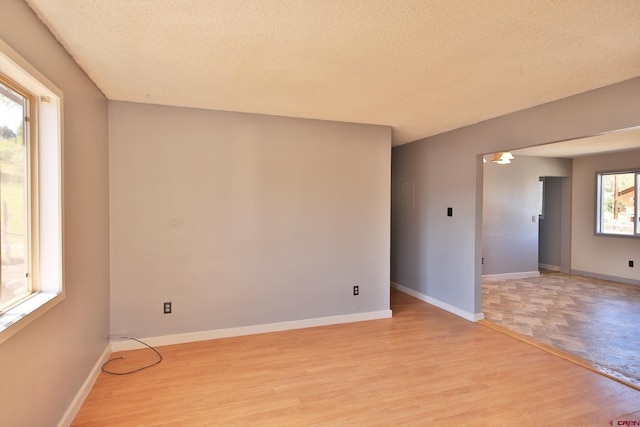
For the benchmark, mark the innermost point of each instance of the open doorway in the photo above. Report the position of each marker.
(512, 217)
(576, 305)
(554, 226)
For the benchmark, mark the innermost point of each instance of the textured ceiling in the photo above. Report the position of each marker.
(423, 67)
(624, 140)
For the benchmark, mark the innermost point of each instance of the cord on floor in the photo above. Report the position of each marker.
(134, 370)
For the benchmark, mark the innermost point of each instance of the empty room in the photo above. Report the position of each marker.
(278, 212)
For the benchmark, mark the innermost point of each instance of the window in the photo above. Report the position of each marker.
(541, 197)
(15, 194)
(618, 207)
(31, 273)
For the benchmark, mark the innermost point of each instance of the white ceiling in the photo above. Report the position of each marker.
(423, 67)
(623, 140)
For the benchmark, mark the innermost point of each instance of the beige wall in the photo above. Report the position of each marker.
(243, 219)
(44, 365)
(602, 255)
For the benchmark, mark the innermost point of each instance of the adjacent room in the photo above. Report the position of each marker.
(287, 202)
(567, 277)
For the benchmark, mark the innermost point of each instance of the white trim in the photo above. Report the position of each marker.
(20, 315)
(549, 267)
(472, 317)
(47, 212)
(82, 394)
(121, 345)
(506, 276)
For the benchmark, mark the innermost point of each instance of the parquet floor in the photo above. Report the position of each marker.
(423, 367)
(593, 319)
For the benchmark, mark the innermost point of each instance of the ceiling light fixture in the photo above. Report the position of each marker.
(503, 158)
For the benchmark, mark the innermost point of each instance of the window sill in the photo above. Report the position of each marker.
(26, 312)
(626, 236)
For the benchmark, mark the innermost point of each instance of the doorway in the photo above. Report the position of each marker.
(554, 251)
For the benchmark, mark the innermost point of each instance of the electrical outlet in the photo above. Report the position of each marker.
(630, 263)
(167, 308)
(356, 290)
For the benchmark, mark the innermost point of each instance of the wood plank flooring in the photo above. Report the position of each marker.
(422, 367)
(597, 320)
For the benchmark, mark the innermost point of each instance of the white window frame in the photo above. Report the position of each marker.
(599, 201)
(47, 176)
(542, 186)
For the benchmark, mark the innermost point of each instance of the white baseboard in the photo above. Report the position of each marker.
(606, 277)
(81, 395)
(506, 276)
(549, 267)
(473, 317)
(249, 330)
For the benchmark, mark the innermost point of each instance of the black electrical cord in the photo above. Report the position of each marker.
(122, 357)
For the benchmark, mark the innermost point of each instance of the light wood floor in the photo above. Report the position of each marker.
(422, 367)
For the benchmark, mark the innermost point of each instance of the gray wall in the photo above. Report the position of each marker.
(551, 226)
(510, 212)
(440, 256)
(603, 255)
(44, 365)
(243, 219)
